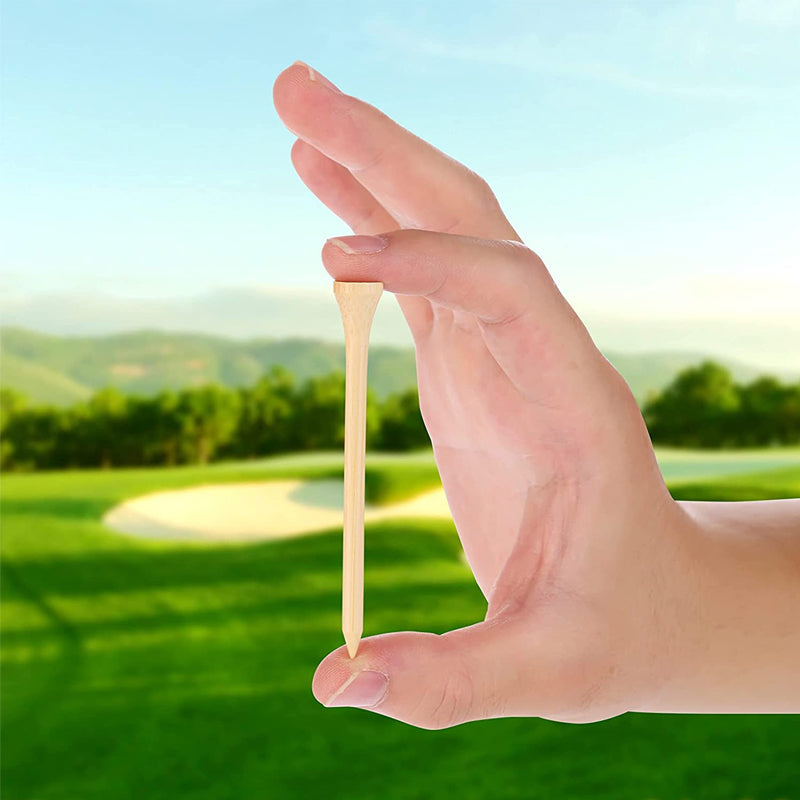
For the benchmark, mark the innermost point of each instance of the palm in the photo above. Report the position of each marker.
(484, 462)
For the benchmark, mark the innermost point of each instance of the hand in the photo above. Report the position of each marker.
(546, 462)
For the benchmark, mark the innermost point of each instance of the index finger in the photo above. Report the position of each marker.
(418, 184)
(521, 315)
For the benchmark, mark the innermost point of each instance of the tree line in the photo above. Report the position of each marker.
(200, 424)
(702, 407)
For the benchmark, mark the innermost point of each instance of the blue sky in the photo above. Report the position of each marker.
(647, 151)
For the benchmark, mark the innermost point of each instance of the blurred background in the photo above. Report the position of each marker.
(168, 327)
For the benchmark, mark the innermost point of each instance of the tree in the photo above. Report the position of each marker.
(168, 429)
(153, 429)
(401, 424)
(788, 415)
(319, 413)
(101, 428)
(758, 415)
(209, 415)
(33, 437)
(266, 419)
(11, 402)
(698, 409)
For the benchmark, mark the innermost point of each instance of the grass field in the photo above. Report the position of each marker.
(136, 669)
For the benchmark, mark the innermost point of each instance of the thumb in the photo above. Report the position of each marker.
(427, 680)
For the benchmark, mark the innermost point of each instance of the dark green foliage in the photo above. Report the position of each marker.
(319, 413)
(265, 416)
(696, 409)
(401, 423)
(704, 407)
(11, 402)
(769, 412)
(200, 424)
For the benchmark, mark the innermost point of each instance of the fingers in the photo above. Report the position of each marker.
(526, 322)
(494, 280)
(417, 184)
(431, 681)
(351, 202)
(335, 186)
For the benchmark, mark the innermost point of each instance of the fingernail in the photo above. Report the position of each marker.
(318, 78)
(361, 244)
(365, 689)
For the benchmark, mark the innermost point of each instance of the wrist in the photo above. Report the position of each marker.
(729, 608)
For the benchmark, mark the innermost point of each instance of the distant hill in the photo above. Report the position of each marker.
(39, 382)
(248, 312)
(63, 369)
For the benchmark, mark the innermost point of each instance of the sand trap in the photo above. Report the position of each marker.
(254, 511)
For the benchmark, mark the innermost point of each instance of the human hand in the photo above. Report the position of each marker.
(543, 454)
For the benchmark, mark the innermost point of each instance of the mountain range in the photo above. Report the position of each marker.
(60, 370)
(241, 312)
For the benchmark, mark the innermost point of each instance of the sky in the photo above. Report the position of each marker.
(647, 151)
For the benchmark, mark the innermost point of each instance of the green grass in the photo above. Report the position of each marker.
(693, 465)
(771, 485)
(136, 669)
(391, 483)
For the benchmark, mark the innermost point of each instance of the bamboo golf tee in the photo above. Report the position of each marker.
(357, 303)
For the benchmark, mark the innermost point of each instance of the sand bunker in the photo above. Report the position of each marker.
(253, 511)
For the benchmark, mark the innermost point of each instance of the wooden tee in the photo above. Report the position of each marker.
(357, 303)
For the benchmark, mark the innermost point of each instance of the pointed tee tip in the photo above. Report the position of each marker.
(352, 648)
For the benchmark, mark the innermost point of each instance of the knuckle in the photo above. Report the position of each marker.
(519, 251)
(368, 220)
(449, 703)
(482, 189)
(453, 702)
(374, 160)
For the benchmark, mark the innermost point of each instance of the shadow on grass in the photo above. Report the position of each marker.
(64, 507)
(175, 566)
(280, 610)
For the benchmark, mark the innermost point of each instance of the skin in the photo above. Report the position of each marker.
(604, 595)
